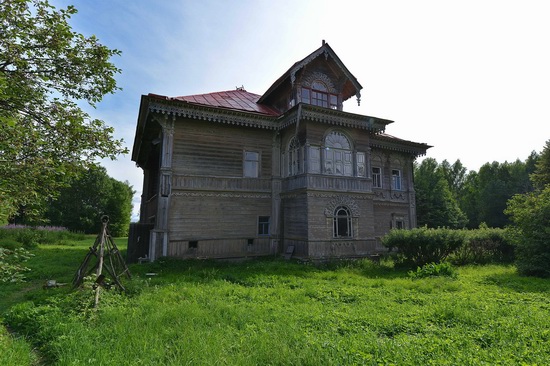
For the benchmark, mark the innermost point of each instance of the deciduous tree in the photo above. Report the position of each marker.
(45, 69)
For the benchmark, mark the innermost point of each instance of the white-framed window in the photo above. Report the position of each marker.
(396, 179)
(263, 225)
(338, 155)
(314, 159)
(294, 157)
(361, 164)
(251, 165)
(342, 223)
(376, 177)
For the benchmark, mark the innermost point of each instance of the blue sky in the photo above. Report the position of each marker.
(471, 78)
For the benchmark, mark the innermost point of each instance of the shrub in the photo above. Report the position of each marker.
(485, 245)
(11, 264)
(434, 270)
(530, 214)
(31, 236)
(422, 245)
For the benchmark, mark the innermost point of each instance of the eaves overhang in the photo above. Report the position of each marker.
(333, 117)
(388, 142)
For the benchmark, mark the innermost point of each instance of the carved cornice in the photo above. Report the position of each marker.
(214, 115)
(221, 195)
(340, 119)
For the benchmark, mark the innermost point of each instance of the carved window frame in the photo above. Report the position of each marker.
(396, 180)
(342, 223)
(338, 154)
(294, 157)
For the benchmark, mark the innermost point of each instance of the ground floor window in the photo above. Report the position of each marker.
(263, 225)
(342, 222)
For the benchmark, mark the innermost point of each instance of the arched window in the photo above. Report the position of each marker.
(338, 155)
(342, 222)
(319, 95)
(294, 156)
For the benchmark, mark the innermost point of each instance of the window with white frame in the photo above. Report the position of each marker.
(251, 165)
(361, 164)
(342, 222)
(396, 179)
(376, 177)
(294, 157)
(338, 155)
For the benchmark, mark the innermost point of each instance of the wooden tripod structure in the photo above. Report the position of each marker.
(107, 257)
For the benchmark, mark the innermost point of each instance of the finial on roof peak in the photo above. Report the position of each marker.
(323, 42)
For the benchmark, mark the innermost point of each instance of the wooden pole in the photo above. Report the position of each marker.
(100, 265)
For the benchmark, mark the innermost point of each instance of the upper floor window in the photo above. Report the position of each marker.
(318, 95)
(294, 157)
(376, 177)
(251, 166)
(396, 179)
(338, 155)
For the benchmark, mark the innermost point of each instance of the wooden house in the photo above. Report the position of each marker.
(235, 174)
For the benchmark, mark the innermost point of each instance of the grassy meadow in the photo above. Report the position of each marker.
(273, 312)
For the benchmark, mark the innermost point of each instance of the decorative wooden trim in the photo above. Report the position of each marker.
(214, 115)
(342, 201)
(221, 195)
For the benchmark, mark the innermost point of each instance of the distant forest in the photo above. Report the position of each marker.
(448, 195)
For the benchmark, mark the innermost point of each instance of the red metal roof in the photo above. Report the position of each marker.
(239, 99)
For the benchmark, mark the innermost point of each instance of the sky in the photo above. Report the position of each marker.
(470, 78)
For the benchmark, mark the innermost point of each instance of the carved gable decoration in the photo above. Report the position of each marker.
(348, 83)
(342, 201)
(319, 76)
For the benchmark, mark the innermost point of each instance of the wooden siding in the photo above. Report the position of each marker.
(327, 182)
(213, 149)
(295, 219)
(341, 248)
(221, 248)
(205, 216)
(221, 183)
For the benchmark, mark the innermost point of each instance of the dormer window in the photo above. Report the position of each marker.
(318, 95)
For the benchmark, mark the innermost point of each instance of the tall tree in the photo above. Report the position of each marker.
(541, 176)
(530, 217)
(455, 175)
(45, 69)
(87, 198)
(435, 204)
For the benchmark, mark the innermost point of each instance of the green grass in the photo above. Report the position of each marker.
(275, 312)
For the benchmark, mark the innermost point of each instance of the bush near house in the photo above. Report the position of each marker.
(484, 245)
(421, 246)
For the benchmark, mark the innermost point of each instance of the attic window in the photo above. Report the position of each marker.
(318, 95)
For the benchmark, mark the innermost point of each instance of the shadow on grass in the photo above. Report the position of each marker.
(243, 272)
(520, 284)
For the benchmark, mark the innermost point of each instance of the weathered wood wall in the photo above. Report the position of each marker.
(212, 205)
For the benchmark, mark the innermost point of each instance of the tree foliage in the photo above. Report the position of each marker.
(45, 69)
(88, 197)
(541, 176)
(530, 216)
(435, 204)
